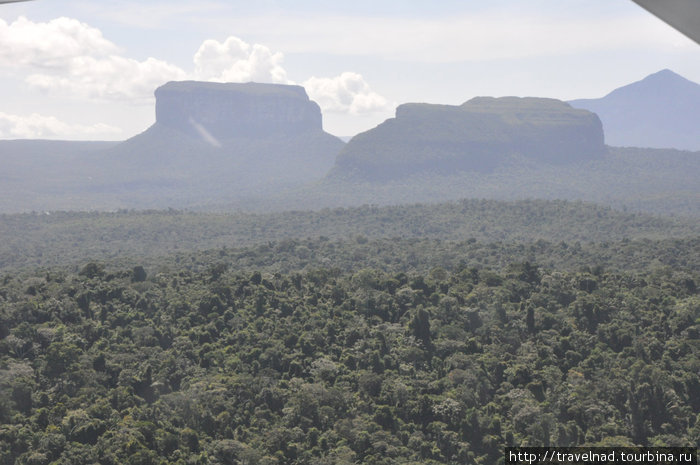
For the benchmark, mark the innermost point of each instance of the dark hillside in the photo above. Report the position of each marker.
(220, 141)
(478, 136)
(34, 171)
(211, 143)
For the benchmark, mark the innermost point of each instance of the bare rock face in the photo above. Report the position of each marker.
(478, 135)
(213, 142)
(223, 111)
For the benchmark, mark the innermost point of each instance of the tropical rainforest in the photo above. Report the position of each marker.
(431, 334)
(72, 238)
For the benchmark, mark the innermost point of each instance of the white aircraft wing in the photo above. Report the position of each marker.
(683, 15)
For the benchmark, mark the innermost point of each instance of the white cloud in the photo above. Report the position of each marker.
(234, 60)
(37, 126)
(111, 78)
(345, 93)
(69, 56)
(50, 45)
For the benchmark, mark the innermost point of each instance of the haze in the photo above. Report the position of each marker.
(87, 71)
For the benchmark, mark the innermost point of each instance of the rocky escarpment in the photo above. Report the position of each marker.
(215, 141)
(476, 136)
(229, 110)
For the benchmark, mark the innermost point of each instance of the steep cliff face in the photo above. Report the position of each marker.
(476, 136)
(215, 141)
(230, 110)
(543, 129)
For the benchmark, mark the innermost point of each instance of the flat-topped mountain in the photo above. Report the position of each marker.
(225, 140)
(230, 110)
(475, 136)
(196, 155)
(662, 111)
(211, 143)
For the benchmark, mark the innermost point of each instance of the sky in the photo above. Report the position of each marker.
(86, 70)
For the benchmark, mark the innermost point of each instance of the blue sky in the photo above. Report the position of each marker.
(79, 69)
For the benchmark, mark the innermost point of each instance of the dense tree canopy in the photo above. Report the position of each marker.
(417, 334)
(226, 363)
(61, 238)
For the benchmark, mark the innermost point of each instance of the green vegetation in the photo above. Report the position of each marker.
(73, 238)
(659, 181)
(431, 334)
(43, 177)
(477, 136)
(226, 365)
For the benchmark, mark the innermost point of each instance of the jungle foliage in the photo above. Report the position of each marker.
(225, 360)
(432, 334)
(71, 238)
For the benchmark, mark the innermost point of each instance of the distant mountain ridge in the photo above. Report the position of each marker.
(211, 142)
(660, 111)
(222, 140)
(479, 135)
(225, 111)
(261, 147)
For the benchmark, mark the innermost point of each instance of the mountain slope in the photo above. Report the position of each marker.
(478, 136)
(213, 140)
(662, 111)
(211, 143)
